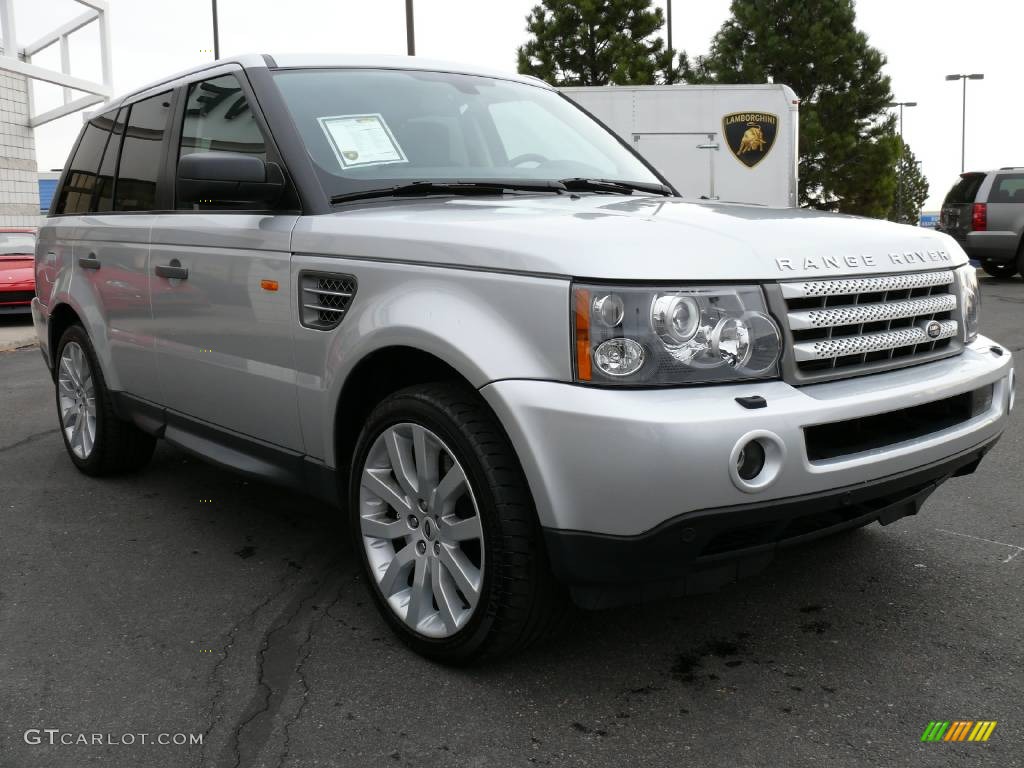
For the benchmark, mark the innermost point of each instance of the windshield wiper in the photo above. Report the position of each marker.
(418, 188)
(580, 184)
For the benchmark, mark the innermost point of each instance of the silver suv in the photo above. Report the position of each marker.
(452, 303)
(984, 213)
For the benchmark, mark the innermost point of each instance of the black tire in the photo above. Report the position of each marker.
(1000, 271)
(1020, 257)
(520, 602)
(119, 445)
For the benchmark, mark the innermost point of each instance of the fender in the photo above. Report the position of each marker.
(487, 326)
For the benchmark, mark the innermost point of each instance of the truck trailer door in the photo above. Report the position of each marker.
(678, 155)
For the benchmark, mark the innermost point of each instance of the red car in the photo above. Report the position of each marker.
(17, 258)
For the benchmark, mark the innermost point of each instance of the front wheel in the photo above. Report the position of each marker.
(446, 528)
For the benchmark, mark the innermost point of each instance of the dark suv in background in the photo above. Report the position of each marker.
(984, 212)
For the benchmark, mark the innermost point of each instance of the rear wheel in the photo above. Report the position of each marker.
(1001, 271)
(98, 442)
(446, 528)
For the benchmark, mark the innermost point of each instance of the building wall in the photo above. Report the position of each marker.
(19, 182)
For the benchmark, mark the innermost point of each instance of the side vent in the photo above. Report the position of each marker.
(324, 298)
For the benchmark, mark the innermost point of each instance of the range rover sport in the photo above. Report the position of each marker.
(455, 305)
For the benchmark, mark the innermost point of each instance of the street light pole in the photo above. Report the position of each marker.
(410, 33)
(963, 120)
(216, 33)
(899, 174)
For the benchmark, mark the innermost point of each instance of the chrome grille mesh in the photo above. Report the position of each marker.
(324, 299)
(846, 325)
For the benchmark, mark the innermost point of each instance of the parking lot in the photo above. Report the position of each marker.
(187, 600)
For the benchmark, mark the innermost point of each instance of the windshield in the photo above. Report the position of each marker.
(17, 243)
(368, 128)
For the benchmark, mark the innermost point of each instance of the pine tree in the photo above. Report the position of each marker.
(596, 42)
(848, 146)
(911, 189)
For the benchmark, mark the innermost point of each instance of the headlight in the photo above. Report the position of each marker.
(970, 300)
(638, 336)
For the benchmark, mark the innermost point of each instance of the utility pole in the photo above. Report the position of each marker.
(410, 32)
(963, 123)
(216, 33)
(668, 21)
(899, 167)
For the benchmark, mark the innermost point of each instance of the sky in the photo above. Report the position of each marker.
(924, 41)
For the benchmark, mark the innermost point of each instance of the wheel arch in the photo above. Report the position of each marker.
(62, 317)
(380, 373)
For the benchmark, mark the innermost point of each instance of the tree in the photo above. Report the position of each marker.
(848, 146)
(911, 189)
(596, 42)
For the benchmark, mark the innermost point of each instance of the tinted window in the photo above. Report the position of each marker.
(80, 182)
(965, 190)
(1008, 188)
(218, 119)
(108, 167)
(141, 154)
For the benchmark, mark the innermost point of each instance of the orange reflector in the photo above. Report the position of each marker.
(583, 334)
(268, 285)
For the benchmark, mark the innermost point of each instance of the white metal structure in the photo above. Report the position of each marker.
(680, 130)
(18, 59)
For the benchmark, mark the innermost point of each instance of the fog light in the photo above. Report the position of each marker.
(619, 357)
(750, 460)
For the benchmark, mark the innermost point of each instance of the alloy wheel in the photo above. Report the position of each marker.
(76, 397)
(421, 530)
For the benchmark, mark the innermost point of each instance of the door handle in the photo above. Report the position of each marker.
(89, 262)
(174, 270)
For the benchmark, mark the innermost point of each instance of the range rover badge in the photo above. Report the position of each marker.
(933, 329)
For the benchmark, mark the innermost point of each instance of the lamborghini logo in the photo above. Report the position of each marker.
(750, 135)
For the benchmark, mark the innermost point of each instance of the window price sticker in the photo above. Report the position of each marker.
(359, 140)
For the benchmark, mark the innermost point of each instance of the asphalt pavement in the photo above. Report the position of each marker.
(186, 601)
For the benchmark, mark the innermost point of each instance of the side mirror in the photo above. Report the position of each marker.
(228, 177)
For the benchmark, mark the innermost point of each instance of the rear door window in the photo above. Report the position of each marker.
(965, 190)
(108, 167)
(80, 182)
(1007, 188)
(142, 153)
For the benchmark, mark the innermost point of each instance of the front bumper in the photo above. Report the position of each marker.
(620, 463)
(701, 551)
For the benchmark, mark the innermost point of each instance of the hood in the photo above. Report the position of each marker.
(17, 274)
(625, 238)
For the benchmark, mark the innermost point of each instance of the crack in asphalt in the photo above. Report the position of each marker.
(216, 708)
(30, 439)
(277, 655)
(304, 650)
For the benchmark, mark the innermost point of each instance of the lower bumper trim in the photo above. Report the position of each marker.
(704, 550)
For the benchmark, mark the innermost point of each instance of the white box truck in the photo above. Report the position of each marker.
(714, 142)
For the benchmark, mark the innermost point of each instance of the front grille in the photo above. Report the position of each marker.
(324, 298)
(848, 326)
(16, 297)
